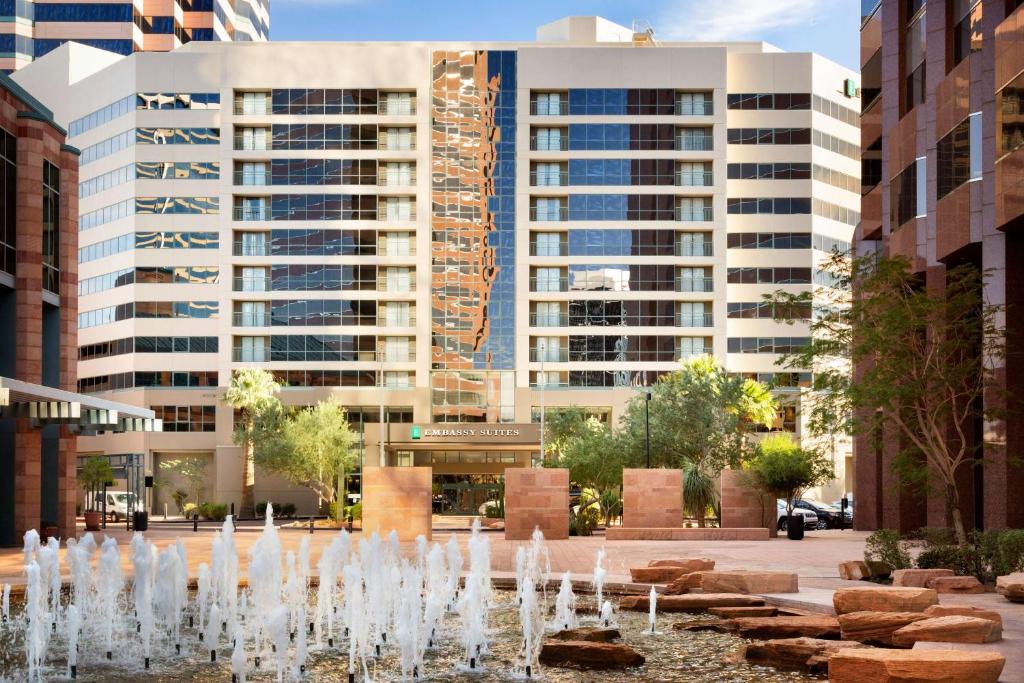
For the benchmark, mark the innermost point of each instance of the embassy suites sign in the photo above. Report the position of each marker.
(472, 433)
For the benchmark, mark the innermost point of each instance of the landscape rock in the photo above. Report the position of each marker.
(685, 583)
(749, 582)
(1011, 586)
(917, 578)
(855, 570)
(733, 612)
(585, 654)
(656, 574)
(693, 602)
(874, 665)
(690, 564)
(949, 629)
(716, 625)
(589, 633)
(955, 584)
(875, 628)
(964, 611)
(805, 654)
(1015, 592)
(764, 628)
(883, 599)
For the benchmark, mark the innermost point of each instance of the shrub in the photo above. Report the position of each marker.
(216, 512)
(941, 557)
(354, 511)
(335, 510)
(288, 510)
(495, 509)
(179, 497)
(583, 522)
(885, 545)
(189, 509)
(1009, 557)
(261, 509)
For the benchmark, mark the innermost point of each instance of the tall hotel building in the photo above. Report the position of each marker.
(31, 28)
(943, 150)
(466, 233)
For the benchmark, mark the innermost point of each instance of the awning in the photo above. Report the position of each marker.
(81, 412)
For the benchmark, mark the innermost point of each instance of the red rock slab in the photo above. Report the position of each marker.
(875, 665)
(733, 612)
(692, 602)
(875, 628)
(883, 599)
(750, 582)
(592, 634)
(804, 654)
(715, 625)
(854, 570)
(964, 611)
(586, 654)
(917, 578)
(1004, 582)
(950, 629)
(955, 584)
(656, 574)
(690, 564)
(765, 628)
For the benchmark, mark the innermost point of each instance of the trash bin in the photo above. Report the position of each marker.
(140, 521)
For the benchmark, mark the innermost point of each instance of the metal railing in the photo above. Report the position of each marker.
(241, 354)
(695, 214)
(698, 108)
(251, 213)
(242, 249)
(549, 108)
(252, 179)
(390, 144)
(251, 145)
(560, 249)
(559, 144)
(250, 284)
(692, 353)
(695, 143)
(406, 214)
(559, 355)
(402, 108)
(560, 213)
(382, 286)
(239, 108)
(561, 179)
(694, 178)
(243, 319)
(695, 284)
(408, 250)
(695, 320)
(400, 179)
(546, 284)
(549, 319)
(406, 321)
(695, 249)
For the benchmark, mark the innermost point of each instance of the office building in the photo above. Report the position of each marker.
(468, 233)
(31, 28)
(941, 140)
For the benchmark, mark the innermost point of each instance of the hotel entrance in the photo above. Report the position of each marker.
(468, 460)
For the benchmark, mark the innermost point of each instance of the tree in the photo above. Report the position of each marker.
(562, 425)
(312, 447)
(595, 457)
(781, 468)
(924, 360)
(193, 471)
(700, 416)
(251, 393)
(95, 473)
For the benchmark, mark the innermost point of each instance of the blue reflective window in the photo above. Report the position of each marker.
(121, 47)
(597, 207)
(80, 11)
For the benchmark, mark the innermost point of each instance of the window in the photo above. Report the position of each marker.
(398, 349)
(966, 21)
(769, 136)
(769, 101)
(694, 140)
(550, 104)
(769, 240)
(252, 103)
(953, 155)
(761, 276)
(187, 418)
(252, 139)
(549, 280)
(398, 174)
(903, 194)
(548, 314)
(397, 104)
(101, 116)
(550, 139)
(549, 244)
(549, 209)
(177, 136)
(51, 227)
(693, 280)
(1010, 115)
(398, 209)
(770, 205)
(397, 314)
(694, 174)
(252, 314)
(688, 347)
(694, 209)
(549, 174)
(694, 104)
(252, 350)
(914, 57)
(398, 280)
(177, 170)
(397, 139)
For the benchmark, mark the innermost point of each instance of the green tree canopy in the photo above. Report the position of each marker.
(252, 392)
(595, 457)
(192, 470)
(95, 472)
(562, 424)
(781, 468)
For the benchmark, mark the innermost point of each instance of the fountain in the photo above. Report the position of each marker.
(606, 618)
(73, 626)
(598, 582)
(565, 606)
(532, 621)
(6, 605)
(652, 609)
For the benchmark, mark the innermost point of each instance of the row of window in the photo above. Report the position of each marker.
(320, 313)
(310, 207)
(622, 137)
(315, 277)
(147, 309)
(593, 379)
(326, 102)
(164, 378)
(620, 172)
(619, 242)
(621, 207)
(8, 194)
(783, 206)
(138, 101)
(785, 240)
(166, 239)
(767, 344)
(322, 172)
(620, 278)
(621, 102)
(149, 205)
(311, 348)
(769, 310)
(150, 275)
(777, 276)
(620, 313)
(187, 418)
(330, 242)
(793, 171)
(149, 136)
(595, 348)
(336, 378)
(125, 345)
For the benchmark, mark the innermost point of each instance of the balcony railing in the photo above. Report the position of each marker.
(254, 109)
(389, 144)
(242, 249)
(547, 284)
(695, 284)
(544, 249)
(252, 178)
(244, 319)
(695, 143)
(558, 355)
(251, 213)
(695, 249)
(560, 144)
(252, 145)
(250, 284)
(694, 178)
(695, 320)
(396, 216)
(559, 213)
(240, 354)
(560, 108)
(399, 179)
(686, 354)
(698, 108)
(401, 321)
(548, 179)
(406, 250)
(400, 108)
(695, 214)
(549, 319)
(397, 288)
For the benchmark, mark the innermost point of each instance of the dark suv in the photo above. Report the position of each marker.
(828, 516)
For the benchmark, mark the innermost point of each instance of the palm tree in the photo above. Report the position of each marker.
(251, 392)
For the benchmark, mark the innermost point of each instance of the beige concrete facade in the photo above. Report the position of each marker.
(78, 81)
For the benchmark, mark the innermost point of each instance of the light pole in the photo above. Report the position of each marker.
(380, 436)
(647, 425)
(543, 382)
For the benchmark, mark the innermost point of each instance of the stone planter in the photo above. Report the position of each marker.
(92, 520)
(795, 527)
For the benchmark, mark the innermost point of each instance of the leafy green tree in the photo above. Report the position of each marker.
(700, 416)
(313, 447)
(924, 362)
(95, 472)
(595, 457)
(193, 471)
(251, 393)
(781, 468)
(561, 425)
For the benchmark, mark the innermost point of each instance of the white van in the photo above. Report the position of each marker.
(118, 504)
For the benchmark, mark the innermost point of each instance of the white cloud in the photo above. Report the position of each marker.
(715, 20)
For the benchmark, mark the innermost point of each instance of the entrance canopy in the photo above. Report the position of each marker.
(80, 412)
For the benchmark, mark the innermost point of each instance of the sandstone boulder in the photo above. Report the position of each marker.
(585, 654)
(685, 583)
(873, 665)
(693, 602)
(733, 612)
(806, 654)
(964, 611)
(855, 570)
(917, 578)
(949, 629)
(655, 574)
(875, 628)
(955, 584)
(1015, 592)
(883, 599)
(764, 628)
(1011, 586)
(590, 634)
(749, 582)
(715, 625)
(690, 564)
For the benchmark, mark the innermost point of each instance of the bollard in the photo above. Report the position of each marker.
(195, 523)
(311, 524)
(232, 510)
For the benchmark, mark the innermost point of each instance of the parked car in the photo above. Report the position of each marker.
(849, 504)
(810, 517)
(828, 515)
(118, 504)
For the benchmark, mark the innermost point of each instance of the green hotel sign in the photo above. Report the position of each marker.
(415, 432)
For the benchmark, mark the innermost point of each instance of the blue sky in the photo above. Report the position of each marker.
(829, 27)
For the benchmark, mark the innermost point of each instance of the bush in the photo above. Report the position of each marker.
(583, 522)
(216, 512)
(495, 509)
(354, 511)
(885, 545)
(261, 509)
(1009, 555)
(941, 557)
(288, 510)
(336, 511)
(179, 497)
(189, 509)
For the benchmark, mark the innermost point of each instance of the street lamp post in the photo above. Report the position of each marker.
(543, 382)
(380, 437)
(647, 426)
